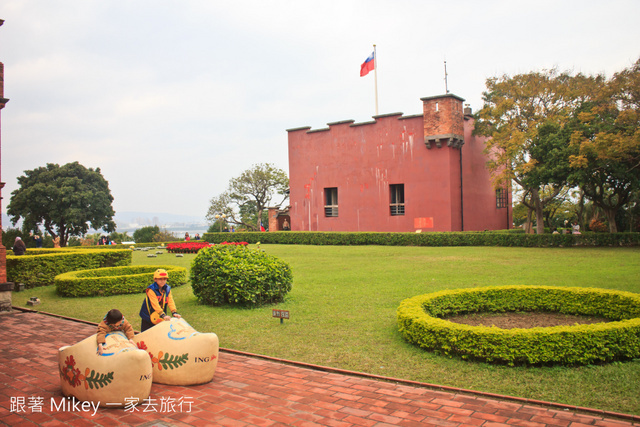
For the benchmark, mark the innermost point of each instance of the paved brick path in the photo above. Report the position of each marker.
(252, 391)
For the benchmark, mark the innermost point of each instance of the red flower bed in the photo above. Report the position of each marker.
(194, 247)
(187, 248)
(235, 243)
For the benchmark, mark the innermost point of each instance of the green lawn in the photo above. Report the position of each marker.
(343, 306)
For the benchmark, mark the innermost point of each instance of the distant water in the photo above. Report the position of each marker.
(178, 228)
(178, 231)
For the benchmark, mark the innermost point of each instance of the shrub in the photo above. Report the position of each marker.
(420, 320)
(164, 236)
(39, 267)
(236, 275)
(598, 226)
(115, 280)
(470, 238)
(145, 234)
(9, 237)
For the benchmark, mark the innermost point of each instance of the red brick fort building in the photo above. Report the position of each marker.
(5, 288)
(396, 173)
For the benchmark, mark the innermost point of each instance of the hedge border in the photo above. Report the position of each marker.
(420, 321)
(114, 280)
(471, 238)
(39, 267)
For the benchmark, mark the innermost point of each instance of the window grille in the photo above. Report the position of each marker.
(396, 193)
(331, 202)
(501, 198)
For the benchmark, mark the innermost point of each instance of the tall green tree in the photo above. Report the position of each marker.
(247, 196)
(524, 116)
(65, 200)
(146, 234)
(606, 138)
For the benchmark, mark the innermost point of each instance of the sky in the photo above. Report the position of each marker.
(173, 98)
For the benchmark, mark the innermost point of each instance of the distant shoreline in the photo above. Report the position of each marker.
(178, 231)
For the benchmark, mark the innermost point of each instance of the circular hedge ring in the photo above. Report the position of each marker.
(114, 280)
(420, 320)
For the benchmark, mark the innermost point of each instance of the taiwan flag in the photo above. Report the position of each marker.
(367, 65)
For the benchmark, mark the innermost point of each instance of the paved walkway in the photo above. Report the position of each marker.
(251, 391)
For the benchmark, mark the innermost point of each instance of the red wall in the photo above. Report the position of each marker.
(480, 212)
(3, 250)
(363, 159)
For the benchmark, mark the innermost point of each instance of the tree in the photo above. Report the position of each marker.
(249, 214)
(9, 237)
(563, 210)
(119, 237)
(606, 136)
(165, 236)
(65, 200)
(146, 234)
(247, 196)
(524, 116)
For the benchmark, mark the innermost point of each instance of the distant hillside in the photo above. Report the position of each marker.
(156, 218)
(130, 221)
(134, 220)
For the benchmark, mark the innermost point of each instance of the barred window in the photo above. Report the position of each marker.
(396, 197)
(501, 198)
(331, 202)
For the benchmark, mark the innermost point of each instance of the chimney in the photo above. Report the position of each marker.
(443, 120)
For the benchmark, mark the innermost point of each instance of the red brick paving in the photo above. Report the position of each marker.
(248, 390)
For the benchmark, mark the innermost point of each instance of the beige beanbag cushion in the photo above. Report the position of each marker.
(179, 354)
(121, 376)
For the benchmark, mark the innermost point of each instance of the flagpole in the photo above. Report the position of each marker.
(375, 74)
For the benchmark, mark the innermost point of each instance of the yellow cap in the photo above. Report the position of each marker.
(160, 274)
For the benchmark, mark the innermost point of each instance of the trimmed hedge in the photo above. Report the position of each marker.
(236, 275)
(153, 245)
(420, 321)
(115, 280)
(39, 267)
(471, 238)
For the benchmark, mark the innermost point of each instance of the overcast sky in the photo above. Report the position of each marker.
(172, 99)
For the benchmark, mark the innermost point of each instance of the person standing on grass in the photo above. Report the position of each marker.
(37, 239)
(157, 300)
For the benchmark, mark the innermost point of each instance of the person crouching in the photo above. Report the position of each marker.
(113, 321)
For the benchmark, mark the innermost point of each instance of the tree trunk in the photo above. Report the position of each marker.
(580, 210)
(611, 217)
(260, 219)
(528, 228)
(528, 224)
(535, 196)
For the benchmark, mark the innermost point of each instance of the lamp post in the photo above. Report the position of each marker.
(220, 217)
